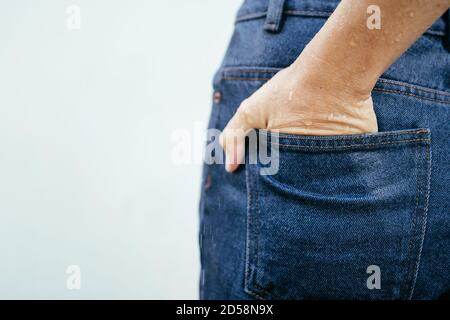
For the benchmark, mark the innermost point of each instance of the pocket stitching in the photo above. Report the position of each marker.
(410, 281)
(258, 215)
(425, 213)
(408, 284)
(389, 134)
(294, 146)
(384, 85)
(252, 198)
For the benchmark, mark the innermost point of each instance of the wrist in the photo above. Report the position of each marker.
(343, 80)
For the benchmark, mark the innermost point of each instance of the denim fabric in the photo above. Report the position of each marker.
(338, 204)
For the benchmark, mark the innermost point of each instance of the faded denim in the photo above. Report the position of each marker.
(338, 204)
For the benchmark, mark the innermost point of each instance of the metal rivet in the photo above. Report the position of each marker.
(217, 97)
(208, 182)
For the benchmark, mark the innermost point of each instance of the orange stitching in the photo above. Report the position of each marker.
(348, 146)
(337, 138)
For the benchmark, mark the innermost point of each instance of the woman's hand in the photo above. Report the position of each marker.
(301, 99)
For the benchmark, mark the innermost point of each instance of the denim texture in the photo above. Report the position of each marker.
(338, 204)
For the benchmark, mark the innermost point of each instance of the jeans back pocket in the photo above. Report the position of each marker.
(344, 217)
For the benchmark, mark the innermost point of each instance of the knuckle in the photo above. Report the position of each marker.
(245, 113)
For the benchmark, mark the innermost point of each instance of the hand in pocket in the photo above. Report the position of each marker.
(300, 99)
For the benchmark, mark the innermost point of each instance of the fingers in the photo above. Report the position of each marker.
(233, 143)
(233, 136)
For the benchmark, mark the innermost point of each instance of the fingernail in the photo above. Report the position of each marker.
(229, 162)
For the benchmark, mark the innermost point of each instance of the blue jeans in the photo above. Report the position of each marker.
(346, 217)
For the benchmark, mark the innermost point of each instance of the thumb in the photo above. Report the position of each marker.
(233, 136)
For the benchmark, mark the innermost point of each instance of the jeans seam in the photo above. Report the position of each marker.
(262, 14)
(357, 136)
(419, 215)
(374, 89)
(415, 87)
(410, 95)
(274, 70)
(257, 239)
(246, 79)
(425, 218)
(252, 193)
(253, 293)
(407, 283)
(255, 283)
(317, 13)
(250, 201)
(349, 146)
(247, 246)
(245, 72)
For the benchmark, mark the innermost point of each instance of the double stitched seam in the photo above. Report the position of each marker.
(407, 284)
(308, 13)
(256, 69)
(411, 95)
(423, 89)
(410, 258)
(248, 79)
(253, 293)
(405, 84)
(257, 240)
(262, 14)
(362, 145)
(374, 89)
(357, 137)
(251, 193)
(250, 189)
(257, 285)
(424, 223)
(243, 72)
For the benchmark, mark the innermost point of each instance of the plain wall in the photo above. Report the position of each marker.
(87, 117)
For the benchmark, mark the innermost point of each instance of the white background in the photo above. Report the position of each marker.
(86, 121)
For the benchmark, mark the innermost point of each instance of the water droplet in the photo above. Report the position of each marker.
(291, 93)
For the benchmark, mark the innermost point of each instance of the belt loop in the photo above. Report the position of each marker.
(274, 16)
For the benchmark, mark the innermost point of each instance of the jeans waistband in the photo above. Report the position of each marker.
(274, 11)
